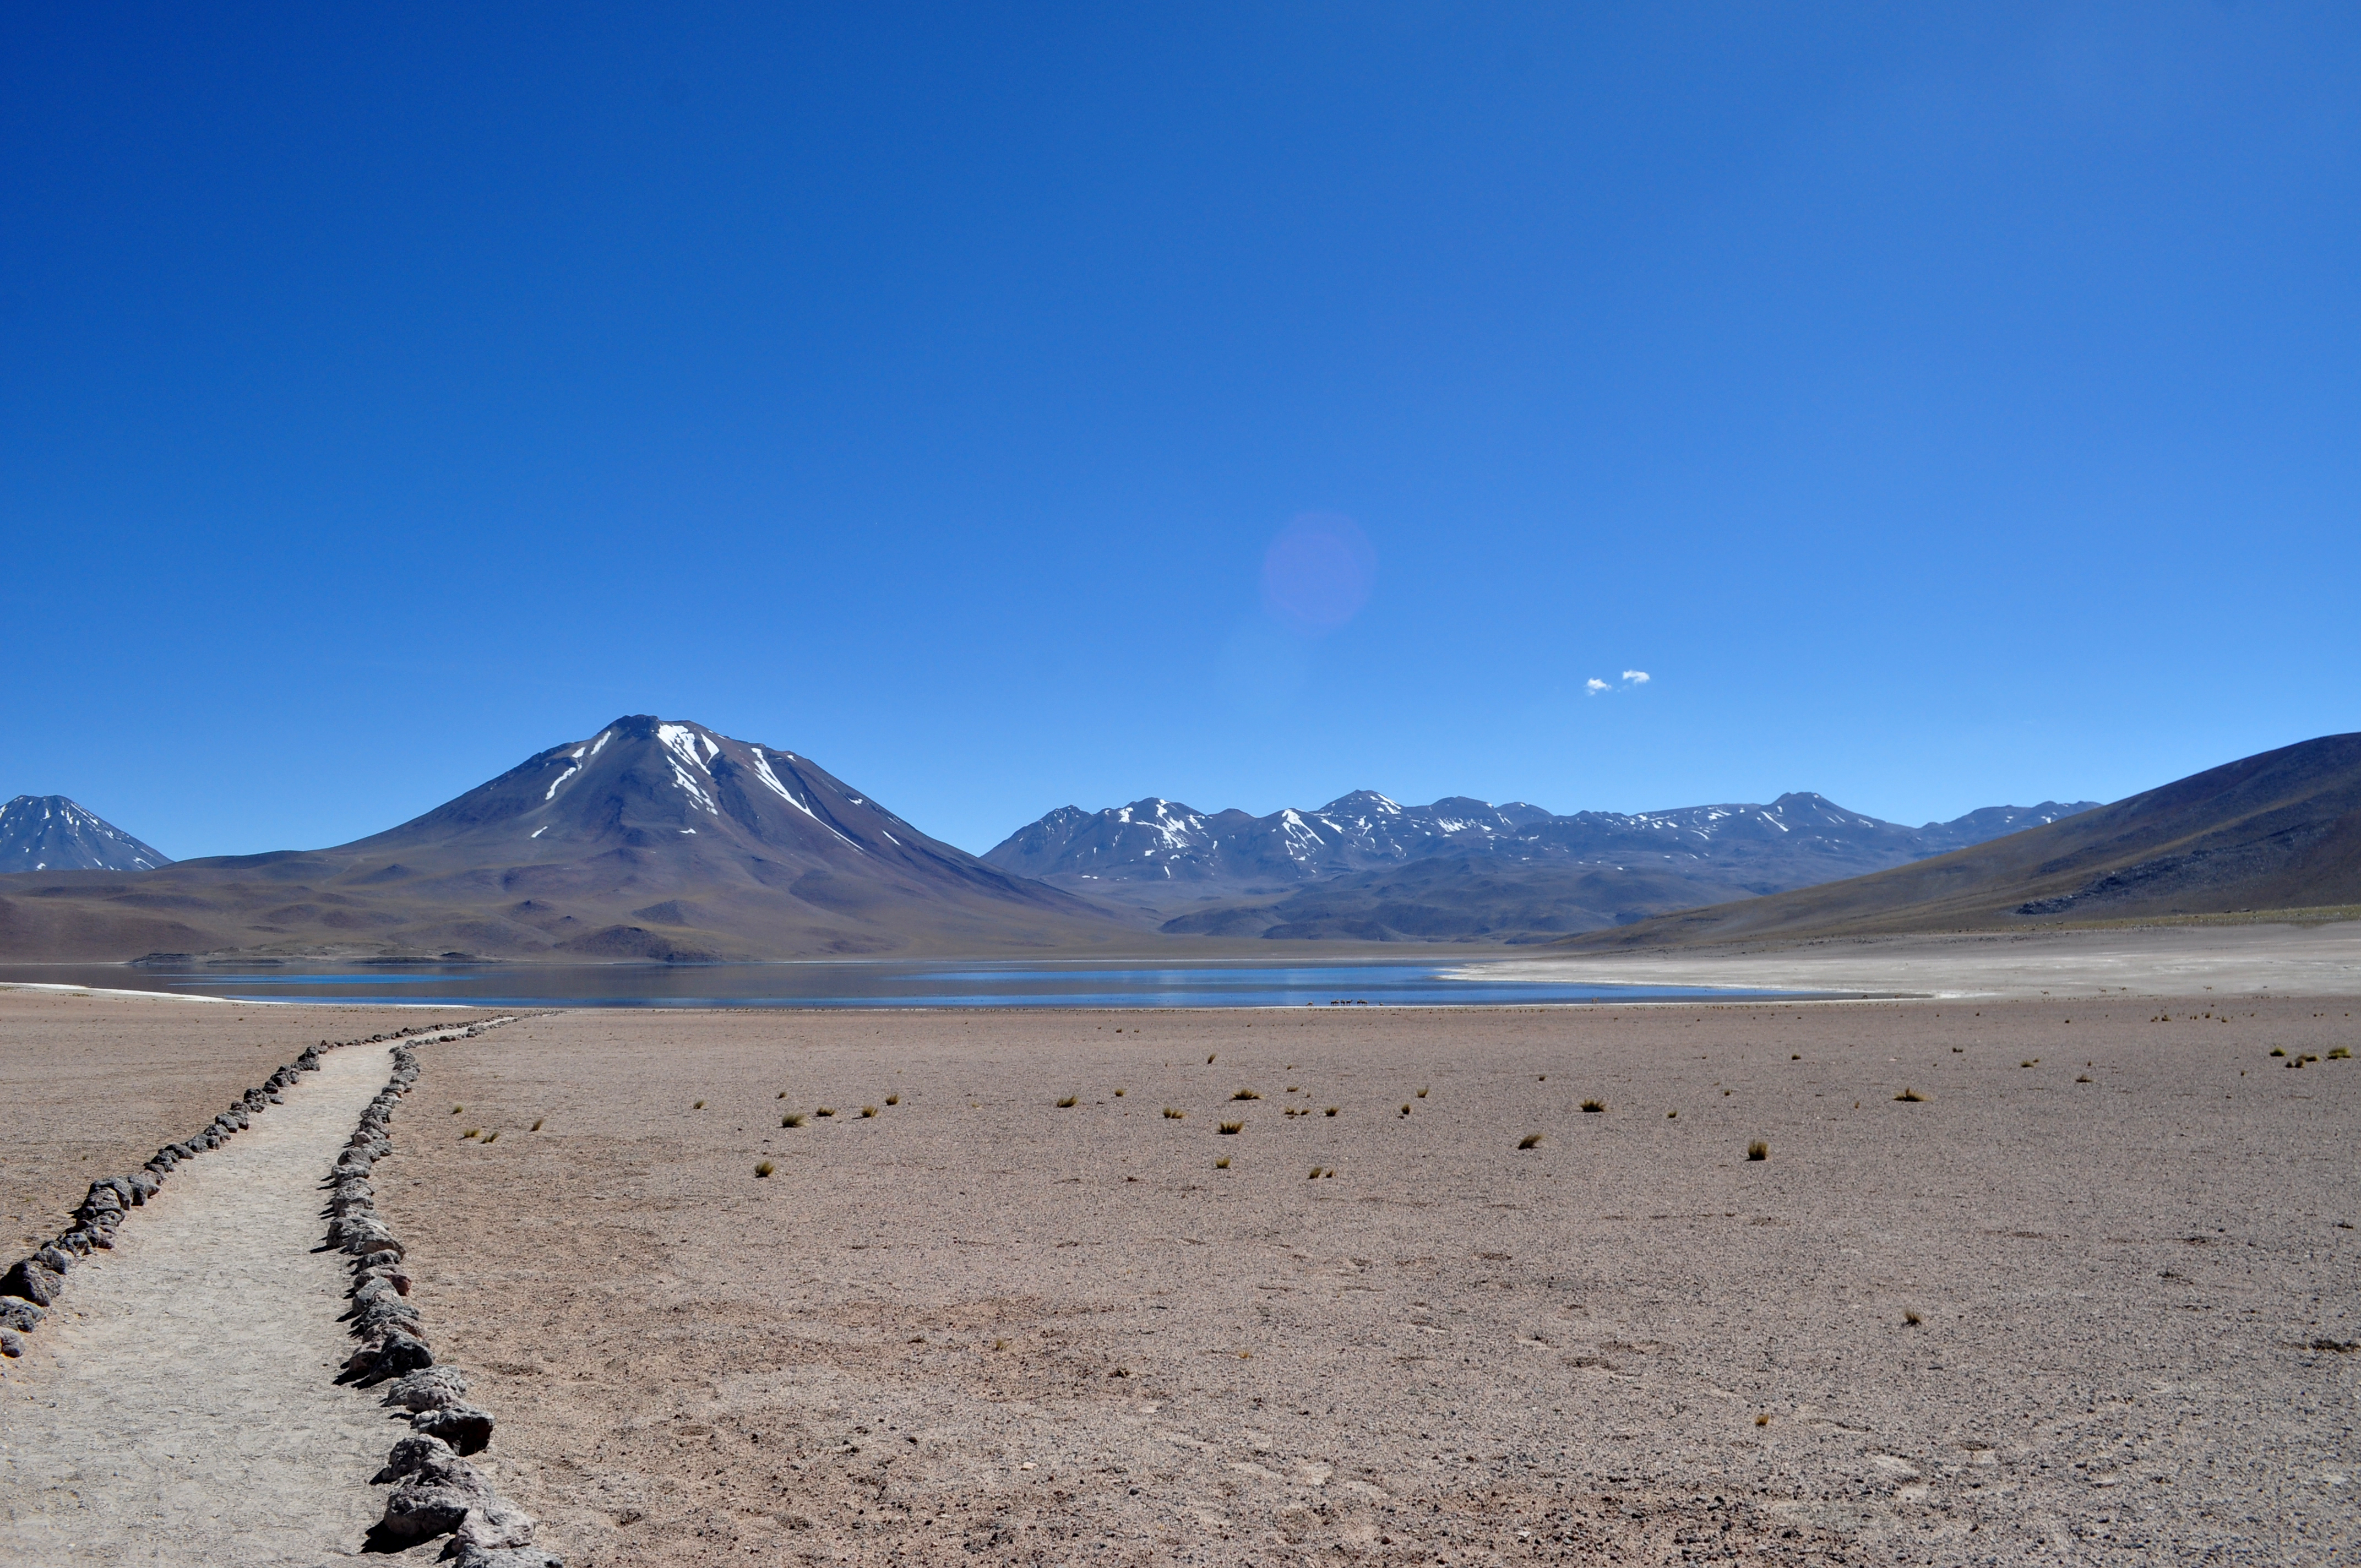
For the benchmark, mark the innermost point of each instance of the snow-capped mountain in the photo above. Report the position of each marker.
(1156, 839)
(1365, 867)
(651, 839)
(50, 833)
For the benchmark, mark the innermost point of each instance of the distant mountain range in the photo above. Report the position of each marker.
(50, 833)
(2278, 830)
(1365, 868)
(650, 839)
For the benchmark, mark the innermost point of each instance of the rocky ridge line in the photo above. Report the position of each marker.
(436, 1490)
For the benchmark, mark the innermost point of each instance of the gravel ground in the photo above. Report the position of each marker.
(2097, 1309)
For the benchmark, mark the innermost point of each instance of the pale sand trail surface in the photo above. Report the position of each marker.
(179, 1405)
(2144, 962)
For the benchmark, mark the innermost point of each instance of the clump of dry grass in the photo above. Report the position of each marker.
(765, 1169)
(1314, 1176)
(2340, 1053)
(1910, 1095)
(1210, 1055)
(1594, 1107)
(1762, 1420)
(1223, 1163)
(1758, 1149)
(1797, 1056)
(1331, 1111)
(1118, 1095)
(1405, 1107)
(1231, 1129)
(2029, 1061)
(792, 1119)
(698, 1106)
(868, 1110)
(472, 1133)
(2081, 1078)
(893, 1100)
(783, 1094)
(1529, 1141)
(537, 1121)
(1421, 1094)
(823, 1110)
(1173, 1114)
(1246, 1094)
(1068, 1102)
(492, 1136)
(2276, 1051)
(457, 1109)
(1911, 1318)
(1672, 1115)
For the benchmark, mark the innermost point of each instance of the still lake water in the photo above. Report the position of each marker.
(870, 984)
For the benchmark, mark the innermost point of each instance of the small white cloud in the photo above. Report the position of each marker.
(1594, 685)
(1636, 677)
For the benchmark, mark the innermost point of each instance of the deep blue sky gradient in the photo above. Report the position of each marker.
(1946, 406)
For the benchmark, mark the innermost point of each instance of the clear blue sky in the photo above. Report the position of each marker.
(1945, 406)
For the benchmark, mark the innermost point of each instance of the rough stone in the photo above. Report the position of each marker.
(410, 1454)
(428, 1390)
(18, 1313)
(32, 1282)
(452, 1497)
(464, 1427)
(55, 1258)
(391, 1356)
(468, 1554)
(10, 1345)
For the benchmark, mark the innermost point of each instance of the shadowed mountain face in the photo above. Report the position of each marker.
(1365, 868)
(650, 839)
(49, 832)
(2280, 830)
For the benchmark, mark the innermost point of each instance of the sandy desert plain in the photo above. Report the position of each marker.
(2093, 1297)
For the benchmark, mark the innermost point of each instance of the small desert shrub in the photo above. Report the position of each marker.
(2341, 1053)
(473, 1133)
(492, 1136)
(1796, 1057)
(2028, 1061)
(765, 1169)
(783, 1094)
(1171, 1115)
(1762, 1420)
(1405, 1108)
(1594, 1107)
(1330, 1111)
(792, 1119)
(1911, 1095)
(2081, 1078)
(1758, 1149)
(1231, 1129)
(868, 1110)
(1421, 1094)
(457, 1109)
(1068, 1102)
(1118, 1095)
(1529, 1141)
(2274, 1051)
(698, 1106)
(1246, 1094)
(1209, 1055)
(1672, 1115)
(537, 1121)
(823, 1110)
(1314, 1176)
(893, 1100)
(1223, 1163)
(1911, 1318)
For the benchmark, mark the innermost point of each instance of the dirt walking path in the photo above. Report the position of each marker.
(178, 1407)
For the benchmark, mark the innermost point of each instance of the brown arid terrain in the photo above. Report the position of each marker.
(90, 1086)
(2091, 1295)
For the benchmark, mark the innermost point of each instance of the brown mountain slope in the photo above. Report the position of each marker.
(651, 839)
(2280, 830)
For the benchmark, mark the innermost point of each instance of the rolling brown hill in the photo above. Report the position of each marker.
(2280, 830)
(651, 839)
